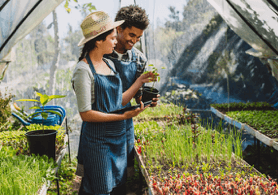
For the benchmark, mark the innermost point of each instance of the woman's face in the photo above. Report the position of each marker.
(110, 42)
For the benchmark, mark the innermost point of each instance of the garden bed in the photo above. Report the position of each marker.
(18, 149)
(257, 121)
(181, 157)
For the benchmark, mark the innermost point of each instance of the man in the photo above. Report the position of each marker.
(130, 62)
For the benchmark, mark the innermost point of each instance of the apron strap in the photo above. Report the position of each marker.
(106, 61)
(90, 64)
(93, 68)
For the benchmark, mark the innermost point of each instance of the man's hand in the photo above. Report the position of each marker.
(154, 101)
(138, 100)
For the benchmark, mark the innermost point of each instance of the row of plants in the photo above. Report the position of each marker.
(242, 106)
(263, 121)
(21, 171)
(261, 116)
(23, 174)
(182, 157)
(163, 111)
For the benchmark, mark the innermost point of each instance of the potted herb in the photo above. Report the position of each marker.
(42, 142)
(151, 92)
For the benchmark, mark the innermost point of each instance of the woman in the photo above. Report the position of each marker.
(98, 89)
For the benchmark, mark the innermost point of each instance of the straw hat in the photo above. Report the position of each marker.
(95, 24)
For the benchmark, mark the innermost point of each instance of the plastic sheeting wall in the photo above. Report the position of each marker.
(13, 13)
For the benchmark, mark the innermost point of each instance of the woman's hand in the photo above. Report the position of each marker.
(148, 77)
(135, 112)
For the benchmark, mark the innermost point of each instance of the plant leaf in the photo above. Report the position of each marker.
(28, 100)
(158, 79)
(44, 115)
(56, 96)
(44, 99)
(54, 112)
(35, 107)
(38, 94)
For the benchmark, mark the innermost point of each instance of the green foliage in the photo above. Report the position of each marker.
(84, 7)
(66, 175)
(33, 127)
(23, 174)
(5, 109)
(243, 106)
(16, 140)
(162, 144)
(161, 110)
(154, 71)
(263, 121)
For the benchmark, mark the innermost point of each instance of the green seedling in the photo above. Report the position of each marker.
(154, 71)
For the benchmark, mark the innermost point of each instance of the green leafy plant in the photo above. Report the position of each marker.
(44, 99)
(22, 174)
(263, 121)
(5, 109)
(66, 177)
(241, 106)
(154, 71)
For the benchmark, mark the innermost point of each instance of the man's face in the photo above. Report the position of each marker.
(127, 38)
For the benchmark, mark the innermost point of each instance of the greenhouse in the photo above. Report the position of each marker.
(212, 64)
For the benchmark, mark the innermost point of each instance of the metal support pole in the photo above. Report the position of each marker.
(258, 152)
(67, 132)
(57, 183)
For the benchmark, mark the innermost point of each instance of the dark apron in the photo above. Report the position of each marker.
(127, 71)
(102, 148)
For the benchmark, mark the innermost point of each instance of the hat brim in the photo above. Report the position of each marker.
(84, 40)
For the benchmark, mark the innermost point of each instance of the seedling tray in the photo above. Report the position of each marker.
(264, 139)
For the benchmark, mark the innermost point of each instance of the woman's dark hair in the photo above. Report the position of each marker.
(90, 45)
(133, 16)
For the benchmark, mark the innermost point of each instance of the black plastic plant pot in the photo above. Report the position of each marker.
(42, 142)
(149, 93)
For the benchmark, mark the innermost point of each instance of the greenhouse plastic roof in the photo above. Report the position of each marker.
(256, 22)
(18, 18)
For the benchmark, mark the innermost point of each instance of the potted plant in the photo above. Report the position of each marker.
(42, 142)
(151, 92)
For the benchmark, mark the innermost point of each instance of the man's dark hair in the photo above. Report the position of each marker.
(133, 16)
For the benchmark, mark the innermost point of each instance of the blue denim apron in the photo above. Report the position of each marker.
(127, 71)
(102, 149)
